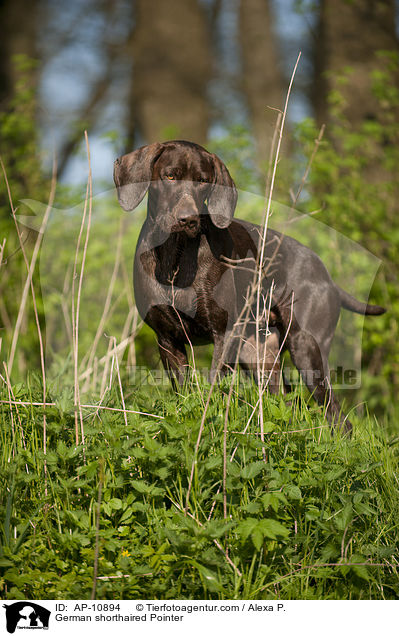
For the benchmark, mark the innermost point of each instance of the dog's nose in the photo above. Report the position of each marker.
(117, 161)
(187, 220)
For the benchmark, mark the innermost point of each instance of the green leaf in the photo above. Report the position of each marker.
(233, 469)
(274, 500)
(252, 470)
(312, 513)
(140, 485)
(293, 492)
(268, 427)
(213, 462)
(253, 507)
(273, 529)
(345, 517)
(280, 412)
(162, 473)
(115, 504)
(215, 529)
(335, 473)
(208, 577)
(362, 508)
(360, 570)
(126, 515)
(245, 528)
(257, 537)
(259, 530)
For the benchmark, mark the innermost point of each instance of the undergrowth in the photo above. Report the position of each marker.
(317, 519)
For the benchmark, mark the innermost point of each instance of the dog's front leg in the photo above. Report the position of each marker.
(222, 363)
(174, 359)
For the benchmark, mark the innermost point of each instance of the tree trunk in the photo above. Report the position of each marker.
(262, 78)
(18, 19)
(171, 69)
(349, 36)
(355, 88)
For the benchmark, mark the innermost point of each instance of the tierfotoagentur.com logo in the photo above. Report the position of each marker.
(26, 615)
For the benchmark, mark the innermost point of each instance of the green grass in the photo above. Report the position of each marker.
(317, 520)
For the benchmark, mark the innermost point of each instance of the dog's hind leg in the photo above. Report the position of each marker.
(313, 367)
(263, 365)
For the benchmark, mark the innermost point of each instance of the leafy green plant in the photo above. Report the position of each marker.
(354, 186)
(317, 520)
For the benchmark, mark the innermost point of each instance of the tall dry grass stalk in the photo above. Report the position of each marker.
(31, 267)
(100, 329)
(254, 293)
(29, 284)
(2, 248)
(97, 407)
(118, 374)
(265, 224)
(97, 539)
(75, 310)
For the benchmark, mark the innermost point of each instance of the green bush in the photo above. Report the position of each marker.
(354, 186)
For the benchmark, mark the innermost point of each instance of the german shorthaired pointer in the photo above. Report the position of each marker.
(194, 266)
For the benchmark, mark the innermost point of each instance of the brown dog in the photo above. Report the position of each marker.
(194, 265)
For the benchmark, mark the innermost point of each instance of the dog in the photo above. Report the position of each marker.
(194, 267)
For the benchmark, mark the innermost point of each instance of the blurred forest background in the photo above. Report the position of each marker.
(212, 71)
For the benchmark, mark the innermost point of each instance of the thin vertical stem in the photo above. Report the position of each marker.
(108, 299)
(119, 381)
(30, 268)
(263, 246)
(97, 544)
(226, 419)
(89, 201)
(32, 265)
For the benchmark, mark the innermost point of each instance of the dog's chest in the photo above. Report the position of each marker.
(183, 283)
(204, 314)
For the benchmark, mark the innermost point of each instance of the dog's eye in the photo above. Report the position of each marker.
(202, 180)
(170, 176)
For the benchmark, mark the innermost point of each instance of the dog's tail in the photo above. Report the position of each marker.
(351, 303)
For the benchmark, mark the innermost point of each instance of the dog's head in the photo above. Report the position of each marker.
(184, 181)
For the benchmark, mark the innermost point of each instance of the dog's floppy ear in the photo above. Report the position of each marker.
(132, 174)
(223, 199)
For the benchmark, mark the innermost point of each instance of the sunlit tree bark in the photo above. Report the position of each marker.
(262, 79)
(18, 36)
(349, 38)
(172, 64)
